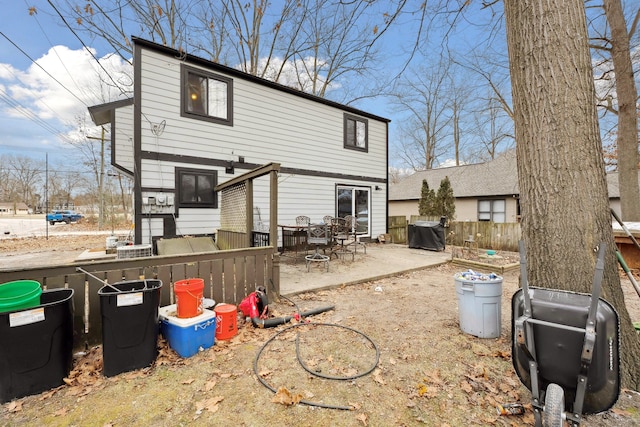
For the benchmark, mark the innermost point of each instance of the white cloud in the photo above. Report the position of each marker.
(7, 71)
(296, 74)
(61, 84)
(448, 163)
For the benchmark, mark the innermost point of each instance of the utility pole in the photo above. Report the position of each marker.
(100, 179)
(46, 193)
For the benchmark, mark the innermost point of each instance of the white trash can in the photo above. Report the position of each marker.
(479, 303)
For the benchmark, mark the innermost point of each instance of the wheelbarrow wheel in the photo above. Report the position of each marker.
(553, 406)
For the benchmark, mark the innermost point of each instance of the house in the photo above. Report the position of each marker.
(193, 124)
(484, 191)
(10, 208)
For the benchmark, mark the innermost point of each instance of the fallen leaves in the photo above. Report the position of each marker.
(284, 397)
(377, 377)
(14, 406)
(210, 404)
(60, 412)
(362, 418)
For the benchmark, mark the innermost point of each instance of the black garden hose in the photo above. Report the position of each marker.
(275, 321)
(306, 402)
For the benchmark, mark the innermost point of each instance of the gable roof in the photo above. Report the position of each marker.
(249, 77)
(101, 114)
(498, 177)
(492, 178)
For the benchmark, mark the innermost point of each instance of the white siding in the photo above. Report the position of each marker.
(268, 126)
(124, 137)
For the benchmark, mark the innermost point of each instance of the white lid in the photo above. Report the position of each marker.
(169, 313)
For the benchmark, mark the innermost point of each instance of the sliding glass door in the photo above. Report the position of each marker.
(355, 201)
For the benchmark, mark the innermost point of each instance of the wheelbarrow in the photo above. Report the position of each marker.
(565, 349)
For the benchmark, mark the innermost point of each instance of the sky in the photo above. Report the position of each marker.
(41, 104)
(48, 79)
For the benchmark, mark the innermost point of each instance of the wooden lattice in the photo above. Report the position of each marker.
(233, 209)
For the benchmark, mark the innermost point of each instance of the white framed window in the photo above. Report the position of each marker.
(492, 210)
(207, 96)
(355, 201)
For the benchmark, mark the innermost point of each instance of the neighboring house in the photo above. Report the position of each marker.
(483, 191)
(8, 208)
(193, 124)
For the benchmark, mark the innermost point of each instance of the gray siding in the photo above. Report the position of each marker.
(269, 125)
(124, 138)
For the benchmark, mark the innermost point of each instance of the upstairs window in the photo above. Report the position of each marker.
(195, 188)
(356, 131)
(207, 96)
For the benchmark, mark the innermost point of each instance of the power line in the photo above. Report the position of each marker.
(40, 66)
(10, 70)
(31, 116)
(87, 49)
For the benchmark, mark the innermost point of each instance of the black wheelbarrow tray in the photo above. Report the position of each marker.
(566, 349)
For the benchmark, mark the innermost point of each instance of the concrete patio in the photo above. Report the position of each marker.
(380, 261)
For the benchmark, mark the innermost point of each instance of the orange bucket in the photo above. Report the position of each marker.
(226, 321)
(189, 297)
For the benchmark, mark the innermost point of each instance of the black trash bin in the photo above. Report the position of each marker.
(130, 325)
(36, 345)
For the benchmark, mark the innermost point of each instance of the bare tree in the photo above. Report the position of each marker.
(306, 44)
(493, 132)
(424, 95)
(563, 189)
(627, 95)
(6, 184)
(94, 150)
(26, 173)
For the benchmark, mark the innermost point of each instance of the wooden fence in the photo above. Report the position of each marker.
(397, 226)
(489, 235)
(228, 275)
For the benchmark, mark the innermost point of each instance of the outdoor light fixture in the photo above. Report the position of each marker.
(378, 188)
(229, 169)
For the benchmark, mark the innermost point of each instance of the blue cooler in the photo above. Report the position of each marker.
(187, 336)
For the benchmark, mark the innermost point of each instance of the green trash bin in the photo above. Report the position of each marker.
(19, 294)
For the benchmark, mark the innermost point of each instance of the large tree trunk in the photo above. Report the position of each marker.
(627, 113)
(563, 191)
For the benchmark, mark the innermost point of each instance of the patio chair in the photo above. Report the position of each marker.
(327, 219)
(318, 235)
(352, 222)
(303, 220)
(342, 232)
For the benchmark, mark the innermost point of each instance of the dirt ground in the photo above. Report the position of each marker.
(392, 350)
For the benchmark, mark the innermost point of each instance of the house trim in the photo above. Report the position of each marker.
(203, 161)
(137, 135)
(106, 113)
(103, 113)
